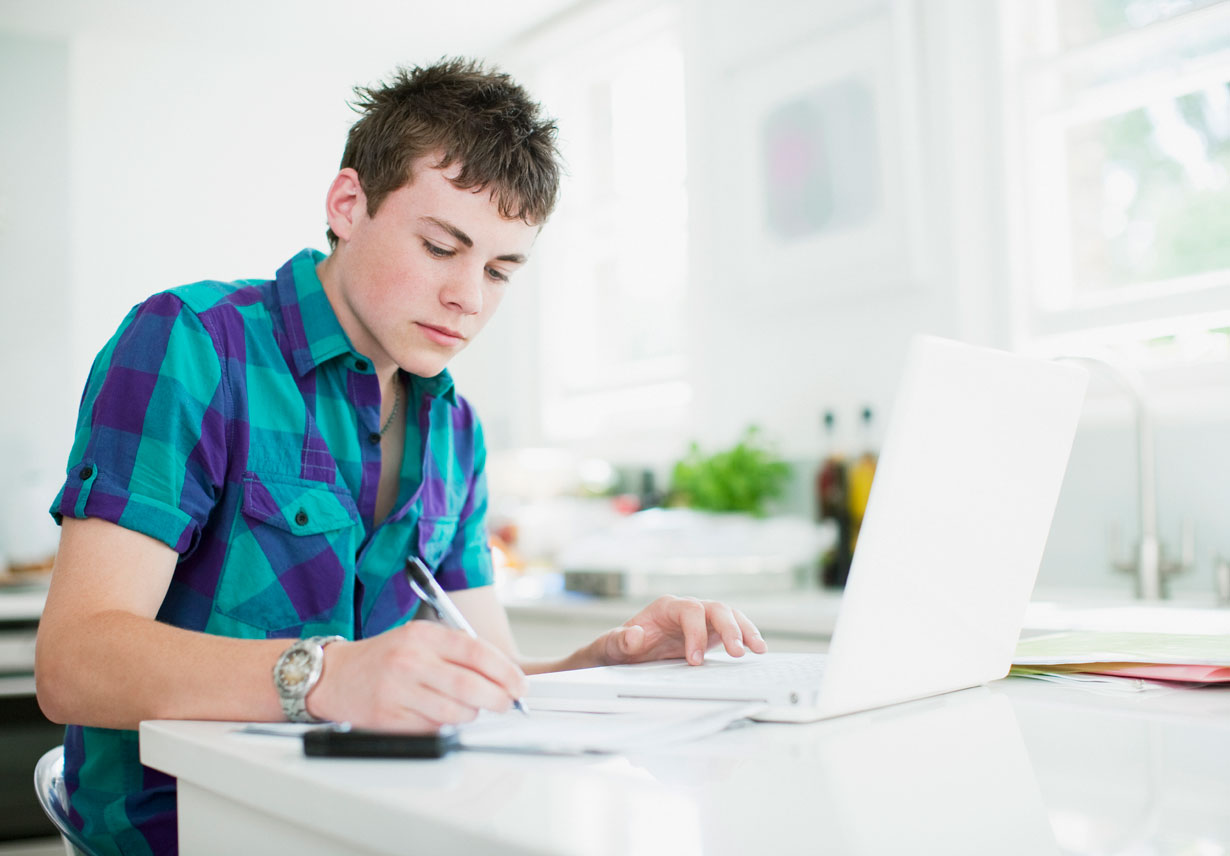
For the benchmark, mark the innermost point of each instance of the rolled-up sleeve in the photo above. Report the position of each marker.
(149, 452)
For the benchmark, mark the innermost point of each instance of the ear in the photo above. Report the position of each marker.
(345, 203)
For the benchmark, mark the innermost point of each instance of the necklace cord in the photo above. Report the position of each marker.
(396, 405)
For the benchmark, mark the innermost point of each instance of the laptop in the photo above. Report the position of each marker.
(968, 477)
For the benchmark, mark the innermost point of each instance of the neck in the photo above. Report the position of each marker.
(392, 404)
(389, 382)
(330, 272)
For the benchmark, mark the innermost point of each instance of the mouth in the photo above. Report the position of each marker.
(442, 335)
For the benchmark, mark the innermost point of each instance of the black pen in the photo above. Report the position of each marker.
(425, 586)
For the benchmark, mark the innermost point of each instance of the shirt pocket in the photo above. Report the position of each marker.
(435, 538)
(291, 552)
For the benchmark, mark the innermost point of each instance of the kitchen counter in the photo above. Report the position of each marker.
(806, 613)
(805, 619)
(20, 610)
(21, 605)
(26, 734)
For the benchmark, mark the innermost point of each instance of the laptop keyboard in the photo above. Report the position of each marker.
(801, 670)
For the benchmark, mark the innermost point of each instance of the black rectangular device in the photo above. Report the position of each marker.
(335, 742)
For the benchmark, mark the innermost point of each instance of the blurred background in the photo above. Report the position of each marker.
(764, 202)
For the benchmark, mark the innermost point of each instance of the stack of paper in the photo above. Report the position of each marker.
(576, 732)
(1192, 658)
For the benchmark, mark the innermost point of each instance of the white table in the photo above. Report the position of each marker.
(1020, 767)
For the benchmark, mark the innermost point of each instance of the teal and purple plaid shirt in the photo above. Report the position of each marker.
(235, 423)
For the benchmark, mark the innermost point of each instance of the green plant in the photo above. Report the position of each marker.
(743, 478)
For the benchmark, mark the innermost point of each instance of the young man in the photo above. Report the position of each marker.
(254, 461)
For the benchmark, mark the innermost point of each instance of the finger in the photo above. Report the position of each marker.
(722, 620)
(467, 687)
(437, 708)
(631, 640)
(481, 656)
(751, 635)
(624, 644)
(691, 617)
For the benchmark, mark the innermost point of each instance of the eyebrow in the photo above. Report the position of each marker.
(515, 258)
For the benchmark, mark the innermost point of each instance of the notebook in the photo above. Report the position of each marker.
(972, 461)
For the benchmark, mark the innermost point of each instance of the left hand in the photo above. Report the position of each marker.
(677, 627)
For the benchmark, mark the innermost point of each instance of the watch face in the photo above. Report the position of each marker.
(295, 669)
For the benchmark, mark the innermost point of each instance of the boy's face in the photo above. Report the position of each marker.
(414, 284)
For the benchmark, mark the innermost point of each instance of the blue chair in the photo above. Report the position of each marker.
(53, 797)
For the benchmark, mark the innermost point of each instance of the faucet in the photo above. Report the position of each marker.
(1150, 566)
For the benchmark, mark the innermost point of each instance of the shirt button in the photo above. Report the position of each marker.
(373, 438)
(301, 518)
(360, 365)
(86, 472)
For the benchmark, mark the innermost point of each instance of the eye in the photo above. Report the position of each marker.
(436, 252)
(498, 276)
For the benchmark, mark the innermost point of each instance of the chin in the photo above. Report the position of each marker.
(423, 368)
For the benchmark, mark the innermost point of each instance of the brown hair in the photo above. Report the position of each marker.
(479, 118)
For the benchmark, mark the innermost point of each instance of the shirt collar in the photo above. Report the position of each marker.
(315, 334)
(440, 386)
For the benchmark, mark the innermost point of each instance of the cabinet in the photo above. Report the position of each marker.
(554, 626)
(25, 734)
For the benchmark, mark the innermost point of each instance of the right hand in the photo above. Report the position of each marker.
(415, 677)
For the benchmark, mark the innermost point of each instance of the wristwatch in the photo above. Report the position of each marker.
(297, 672)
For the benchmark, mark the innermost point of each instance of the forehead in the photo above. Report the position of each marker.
(431, 198)
(428, 167)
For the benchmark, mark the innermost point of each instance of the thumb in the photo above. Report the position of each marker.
(631, 639)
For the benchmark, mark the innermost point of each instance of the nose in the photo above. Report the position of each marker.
(463, 292)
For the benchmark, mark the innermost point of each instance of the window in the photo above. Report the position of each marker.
(613, 263)
(1120, 121)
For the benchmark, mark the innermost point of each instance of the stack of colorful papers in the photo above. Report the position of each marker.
(1190, 658)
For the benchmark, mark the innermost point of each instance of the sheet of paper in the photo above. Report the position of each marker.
(1167, 672)
(1119, 648)
(1109, 685)
(572, 733)
(1151, 671)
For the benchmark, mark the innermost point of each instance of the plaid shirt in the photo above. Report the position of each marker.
(235, 423)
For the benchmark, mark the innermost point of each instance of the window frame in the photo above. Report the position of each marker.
(1049, 314)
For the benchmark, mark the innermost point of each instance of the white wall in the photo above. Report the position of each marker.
(37, 398)
(834, 333)
(791, 347)
(1193, 468)
(198, 166)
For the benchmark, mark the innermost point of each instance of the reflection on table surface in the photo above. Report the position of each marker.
(1022, 767)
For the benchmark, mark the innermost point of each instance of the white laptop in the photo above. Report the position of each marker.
(965, 489)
